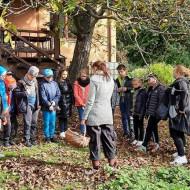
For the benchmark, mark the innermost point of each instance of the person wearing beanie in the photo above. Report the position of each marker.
(49, 98)
(28, 104)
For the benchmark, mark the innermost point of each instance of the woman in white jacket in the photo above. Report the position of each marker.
(98, 115)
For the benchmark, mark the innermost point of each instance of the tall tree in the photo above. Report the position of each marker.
(165, 17)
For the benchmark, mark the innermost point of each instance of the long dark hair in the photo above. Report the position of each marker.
(101, 67)
(60, 74)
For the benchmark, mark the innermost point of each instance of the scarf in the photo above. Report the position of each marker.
(83, 83)
(28, 82)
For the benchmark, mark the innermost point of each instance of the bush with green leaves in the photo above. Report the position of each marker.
(173, 178)
(162, 70)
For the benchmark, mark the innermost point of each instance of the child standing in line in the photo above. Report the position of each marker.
(155, 96)
(81, 90)
(124, 83)
(139, 105)
(64, 109)
(49, 97)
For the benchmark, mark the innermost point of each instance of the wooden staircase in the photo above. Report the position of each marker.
(30, 48)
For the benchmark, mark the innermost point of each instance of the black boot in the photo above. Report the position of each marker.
(12, 142)
(33, 142)
(6, 144)
(54, 140)
(27, 143)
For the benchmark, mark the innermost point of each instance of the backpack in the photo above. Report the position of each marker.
(10, 84)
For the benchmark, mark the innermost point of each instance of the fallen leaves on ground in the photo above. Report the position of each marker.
(55, 167)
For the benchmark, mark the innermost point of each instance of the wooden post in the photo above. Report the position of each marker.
(56, 38)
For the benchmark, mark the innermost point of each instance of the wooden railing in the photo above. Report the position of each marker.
(31, 43)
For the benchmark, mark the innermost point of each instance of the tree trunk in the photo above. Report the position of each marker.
(81, 55)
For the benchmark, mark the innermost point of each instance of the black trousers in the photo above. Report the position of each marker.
(151, 130)
(179, 141)
(30, 121)
(7, 130)
(105, 135)
(63, 124)
(14, 125)
(138, 127)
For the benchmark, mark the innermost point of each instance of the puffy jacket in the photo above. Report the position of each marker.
(154, 98)
(22, 97)
(49, 91)
(66, 100)
(140, 104)
(80, 94)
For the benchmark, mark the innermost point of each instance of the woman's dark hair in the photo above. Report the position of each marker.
(101, 67)
(60, 73)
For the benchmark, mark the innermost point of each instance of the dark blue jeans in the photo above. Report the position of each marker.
(80, 111)
(125, 113)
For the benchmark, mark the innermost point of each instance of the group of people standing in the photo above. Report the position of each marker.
(96, 99)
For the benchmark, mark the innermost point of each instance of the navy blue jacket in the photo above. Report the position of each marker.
(49, 91)
(22, 97)
(140, 104)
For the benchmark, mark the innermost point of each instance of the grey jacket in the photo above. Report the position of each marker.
(98, 109)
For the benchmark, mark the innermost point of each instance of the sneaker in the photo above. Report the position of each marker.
(139, 143)
(134, 142)
(33, 142)
(91, 172)
(12, 142)
(141, 148)
(54, 140)
(2, 155)
(155, 147)
(175, 154)
(62, 134)
(6, 144)
(27, 143)
(180, 160)
(48, 140)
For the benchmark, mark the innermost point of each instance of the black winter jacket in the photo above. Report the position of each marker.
(180, 99)
(128, 94)
(22, 97)
(140, 105)
(66, 100)
(154, 98)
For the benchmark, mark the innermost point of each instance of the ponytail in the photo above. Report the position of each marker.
(101, 67)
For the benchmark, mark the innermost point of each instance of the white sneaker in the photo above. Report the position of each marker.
(62, 134)
(134, 142)
(175, 154)
(180, 160)
(139, 143)
(91, 172)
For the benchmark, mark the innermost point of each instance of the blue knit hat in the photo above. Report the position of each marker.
(2, 70)
(48, 73)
